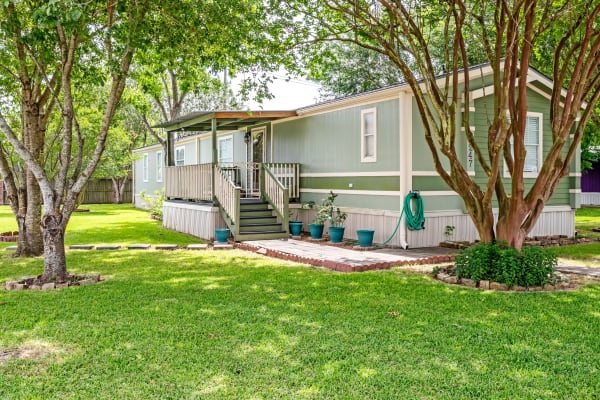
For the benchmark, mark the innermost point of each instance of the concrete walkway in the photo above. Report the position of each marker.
(344, 259)
(589, 271)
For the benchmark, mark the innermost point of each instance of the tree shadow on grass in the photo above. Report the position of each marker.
(236, 325)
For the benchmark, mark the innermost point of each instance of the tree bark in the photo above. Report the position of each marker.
(55, 261)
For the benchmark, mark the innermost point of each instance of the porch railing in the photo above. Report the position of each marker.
(276, 194)
(289, 176)
(246, 175)
(192, 182)
(228, 196)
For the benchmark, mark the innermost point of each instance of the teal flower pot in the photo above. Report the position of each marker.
(295, 228)
(221, 235)
(336, 233)
(316, 231)
(365, 237)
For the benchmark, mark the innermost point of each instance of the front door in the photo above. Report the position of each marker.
(257, 152)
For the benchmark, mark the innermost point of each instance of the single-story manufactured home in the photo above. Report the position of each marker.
(369, 149)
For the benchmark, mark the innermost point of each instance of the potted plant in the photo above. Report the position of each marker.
(365, 237)
(221, 235)
(337, 219)
(294, 223)
(316, 228)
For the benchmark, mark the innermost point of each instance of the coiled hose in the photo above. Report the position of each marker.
(415, 221)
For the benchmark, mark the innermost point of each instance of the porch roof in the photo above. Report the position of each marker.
(225, 120)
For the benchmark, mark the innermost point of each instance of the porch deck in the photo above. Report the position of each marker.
(343, 259)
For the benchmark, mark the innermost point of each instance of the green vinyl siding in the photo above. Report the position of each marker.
(385, 183)
(429, 183)
(484, 113)
(367, 201)
(443, 203)
(330, 142)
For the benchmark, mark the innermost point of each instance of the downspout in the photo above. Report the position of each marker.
(405, 114)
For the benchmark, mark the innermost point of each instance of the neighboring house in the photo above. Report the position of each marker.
(368, 148)
(148, 173)
(590, 186)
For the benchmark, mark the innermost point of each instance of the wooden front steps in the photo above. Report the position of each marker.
(258, 221)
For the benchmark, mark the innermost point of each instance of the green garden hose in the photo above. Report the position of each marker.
(415, 221)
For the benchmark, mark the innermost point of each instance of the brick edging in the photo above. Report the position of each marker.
(340, 266)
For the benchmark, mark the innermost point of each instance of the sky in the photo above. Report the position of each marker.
(288, 94)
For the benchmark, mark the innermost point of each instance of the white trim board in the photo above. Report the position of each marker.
(434, 173)
(347, 174)
(354, 192)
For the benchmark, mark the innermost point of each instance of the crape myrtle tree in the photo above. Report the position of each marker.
(425, 39)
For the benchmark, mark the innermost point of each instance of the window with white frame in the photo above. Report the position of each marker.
(533, 145)
(159, 166)
(368, 134)
(225, 149)
(179, 156)
(145, 167)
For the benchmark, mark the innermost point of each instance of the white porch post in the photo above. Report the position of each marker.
(405, 105)
(215, 154)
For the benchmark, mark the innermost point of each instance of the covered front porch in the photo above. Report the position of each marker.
(250, 194)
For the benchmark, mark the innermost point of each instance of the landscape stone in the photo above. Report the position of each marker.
(166, 247)
(18, 286)
(108, 247)
(11, 248)
(518, 288)
(498, 286)
(197, 246)
(10, 285)
(138, 246)
(222, 246)
(453, 279)
(86, 282)
(484, 284)
(61, 285)
(81, 247)
(469, 283)
(48, 286)
(94, 277)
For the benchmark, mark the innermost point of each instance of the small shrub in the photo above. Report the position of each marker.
(155, 204)
(533, 266)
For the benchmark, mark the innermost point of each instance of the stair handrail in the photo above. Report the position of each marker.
(227, 195)
(275, 194)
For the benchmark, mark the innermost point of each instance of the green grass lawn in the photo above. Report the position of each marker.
(110, 224)
(234, 325)
(586, 219)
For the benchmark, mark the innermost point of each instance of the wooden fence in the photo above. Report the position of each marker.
(100, 191)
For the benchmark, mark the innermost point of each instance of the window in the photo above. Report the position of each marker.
(533, 141)
(225, 150)
(145, 167)
(159, 166)
(533, 146)
(179, 156)
(368, 146)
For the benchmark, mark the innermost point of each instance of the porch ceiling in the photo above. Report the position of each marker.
(226, 120)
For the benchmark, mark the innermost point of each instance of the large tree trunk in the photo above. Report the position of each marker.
(509, 230)
(33, 242)
(55, 261)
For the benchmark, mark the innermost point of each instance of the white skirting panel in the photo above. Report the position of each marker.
(590, 198)
(199, 220)
(553, 221)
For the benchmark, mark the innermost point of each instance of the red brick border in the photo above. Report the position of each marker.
(340, 266)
